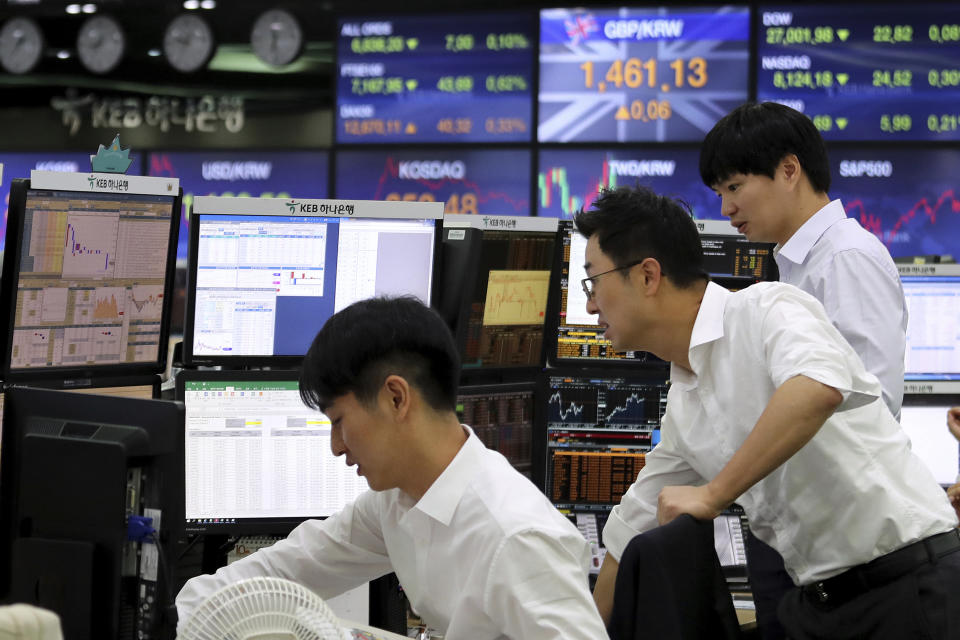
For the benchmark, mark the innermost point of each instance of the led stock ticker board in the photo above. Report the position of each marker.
(887, 72)
(639, 75)
(458, 78)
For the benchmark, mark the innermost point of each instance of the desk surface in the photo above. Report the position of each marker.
(366, 632)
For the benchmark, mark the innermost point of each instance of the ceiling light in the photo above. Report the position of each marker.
(73, 9)
(63, 54)
(153, 53)
(89, 8)
(191, 4)
(208, 4)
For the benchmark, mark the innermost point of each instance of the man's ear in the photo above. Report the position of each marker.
(790, 169)
(652, 275)
(397, 391)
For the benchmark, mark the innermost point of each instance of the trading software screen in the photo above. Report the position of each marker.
(265, 284)
(91, 279)
(502, 417)
(924, 420)
(933, 331)
(255, 453)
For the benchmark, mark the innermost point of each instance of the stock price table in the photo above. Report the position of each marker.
(628, 74)
(464, 78)
(889, 73)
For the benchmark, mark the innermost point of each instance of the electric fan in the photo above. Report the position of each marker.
(264, 609)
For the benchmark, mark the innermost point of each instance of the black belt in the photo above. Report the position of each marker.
(880, 571)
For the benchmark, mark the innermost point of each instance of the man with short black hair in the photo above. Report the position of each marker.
(770, 407)
(479, 550)
(768, 164)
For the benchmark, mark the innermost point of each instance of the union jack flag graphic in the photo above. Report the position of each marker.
(580, 27)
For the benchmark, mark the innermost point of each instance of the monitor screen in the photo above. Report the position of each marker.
(571, 179)
(594, 429)
(502, 417)
(731, 259)
(502, 291)
(933, 327)
(909, 198)
(573, 335)
(266, 273)
(19, 165)
(467, 181)
(257, 459)
(887, 73)
(89, 283)
(630, 74)
(64, 532)
(924, 419)
(456, 78)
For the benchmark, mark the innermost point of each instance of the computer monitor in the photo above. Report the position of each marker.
(592, 432)
(142, 387)
(574, 336)
(258, 461)
(264, 273)
(496, 276)
(502, 417)
(88, 274)
(924, 419)
(932, 293)
(78, 470)
(733, 261)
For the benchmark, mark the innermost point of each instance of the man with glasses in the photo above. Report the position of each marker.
(771, 407)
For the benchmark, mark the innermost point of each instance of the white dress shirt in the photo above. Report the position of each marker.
(482, 555)
(854, 492)
(851, 273)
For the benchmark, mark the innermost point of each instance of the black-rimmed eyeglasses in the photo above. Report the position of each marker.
(587, 283)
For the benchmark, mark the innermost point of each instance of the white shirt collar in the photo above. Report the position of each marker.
(800, 243)
(441, 499)
(706, 328)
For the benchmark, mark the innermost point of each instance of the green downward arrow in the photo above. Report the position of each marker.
(841, 123)
(843, 34)
(411, 84)
(412, 43)
(842, 78)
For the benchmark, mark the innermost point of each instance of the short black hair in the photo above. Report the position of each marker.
(359, 346)
(755, 137)
(635, 223)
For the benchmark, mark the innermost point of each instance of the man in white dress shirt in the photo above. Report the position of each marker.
(479, 550)
(768, 164)
(769, 406)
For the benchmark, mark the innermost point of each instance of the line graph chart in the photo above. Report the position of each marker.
(89, 245)
(516, 297)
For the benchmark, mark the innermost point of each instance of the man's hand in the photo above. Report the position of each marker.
(953, 421)
(954, 494)
(697, 501)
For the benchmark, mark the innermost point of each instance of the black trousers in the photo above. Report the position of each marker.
(769, 582)
(921, 604)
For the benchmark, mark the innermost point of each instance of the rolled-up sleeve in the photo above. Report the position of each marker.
(328, 556)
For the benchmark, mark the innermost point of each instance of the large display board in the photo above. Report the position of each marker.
(909, 198)
(877, 72)
(258, 174)
(435, 78)
(640, 74)
(570, 179)
(484, 181)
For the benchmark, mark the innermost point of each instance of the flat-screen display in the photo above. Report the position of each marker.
(877, 72)
(257, 174)
(571, 179)
(257, 459)
(19, 165)
(435, 78)
(924, 418)
(909, 198)
(502, 417)
(264, 273)
(467, 181)
(632, 74)
(933, 328)
(89, 281)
